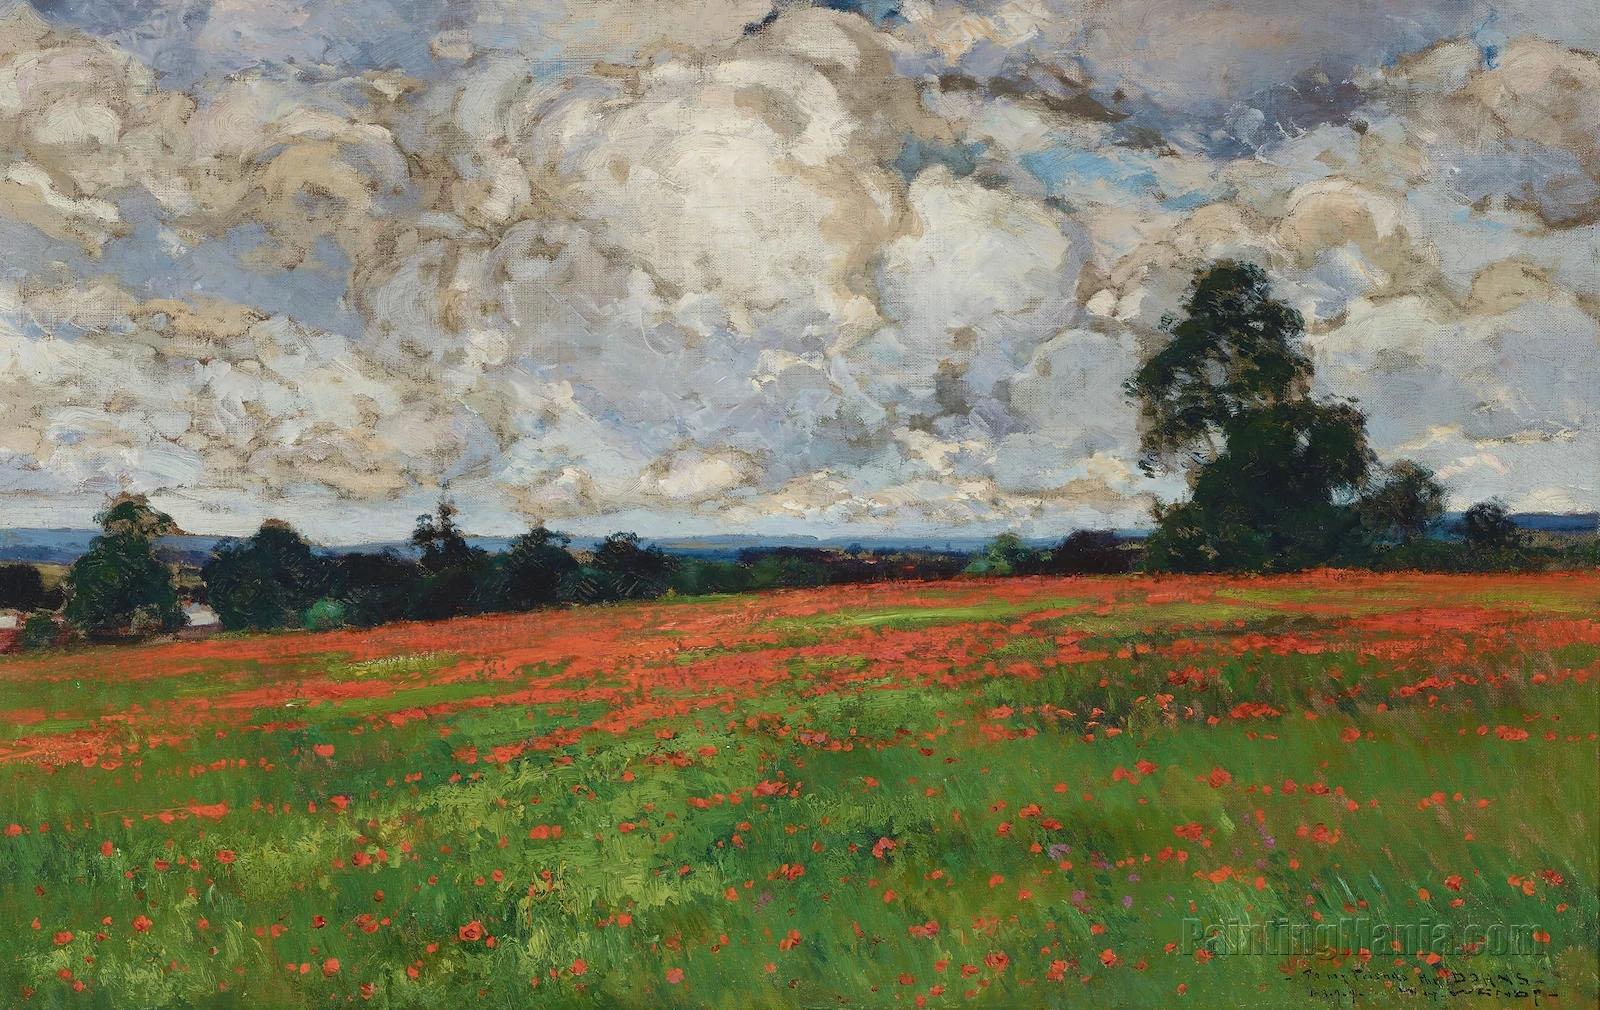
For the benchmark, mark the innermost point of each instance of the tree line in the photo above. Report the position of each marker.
(122, 587)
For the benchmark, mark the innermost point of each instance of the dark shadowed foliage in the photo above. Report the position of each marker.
(1487, 525)
(792, 567)
(624, 570)
(120, 586)
(703, 577)
(440, 541)
(447, 592)
(1090, 552)
(530, 572)
(21, 587)
(1404, 505)
(373, 588)
(266, 581)
(40, 631)
(452, 569)
(1272, 470)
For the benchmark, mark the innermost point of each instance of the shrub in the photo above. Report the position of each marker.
(1006, 555)
(1487, 525)
(324, 615)
(40, 631)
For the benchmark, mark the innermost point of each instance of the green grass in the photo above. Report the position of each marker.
(1038, 803)
(910, 618)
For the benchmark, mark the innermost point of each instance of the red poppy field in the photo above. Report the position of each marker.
(1025, 793)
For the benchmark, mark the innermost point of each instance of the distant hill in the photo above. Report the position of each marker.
(1547, 522)
(63, 546)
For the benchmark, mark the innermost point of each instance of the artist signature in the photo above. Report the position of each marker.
(1357, 985)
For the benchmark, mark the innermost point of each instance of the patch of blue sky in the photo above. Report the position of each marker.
(1063, 170)
(1069, 173)
(187, 41)
(1190, 200)
(150, 263)
(24, 244)
(918, 154)
(1469, 216)
(312, 294)
(879, 12)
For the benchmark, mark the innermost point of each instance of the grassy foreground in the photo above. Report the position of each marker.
(1028, 793)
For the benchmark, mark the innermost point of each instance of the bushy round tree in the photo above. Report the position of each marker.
(1403, 505)
(1487, 525)
(39, 631)
(622, 570)
(266, 581)
(532, 570)
(324, 615)
(120, 585)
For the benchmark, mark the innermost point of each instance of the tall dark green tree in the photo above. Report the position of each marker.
(1228, 398)
(266, 581)
(120, 585)
(441, 542)
(452, 568)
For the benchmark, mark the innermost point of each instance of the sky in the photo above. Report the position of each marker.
(725, 266)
